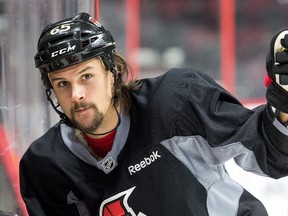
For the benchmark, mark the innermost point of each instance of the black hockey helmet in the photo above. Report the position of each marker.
(71, 41)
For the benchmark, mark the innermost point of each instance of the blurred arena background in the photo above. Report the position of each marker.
(227, 39)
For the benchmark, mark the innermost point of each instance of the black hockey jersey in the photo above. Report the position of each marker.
(167, 158)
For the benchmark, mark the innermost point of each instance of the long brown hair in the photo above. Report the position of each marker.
(125, 87)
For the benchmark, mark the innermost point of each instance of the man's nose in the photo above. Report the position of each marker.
(77, 93)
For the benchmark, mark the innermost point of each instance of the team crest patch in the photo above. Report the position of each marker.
(118, 205)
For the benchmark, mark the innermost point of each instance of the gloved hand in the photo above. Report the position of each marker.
(277, 69)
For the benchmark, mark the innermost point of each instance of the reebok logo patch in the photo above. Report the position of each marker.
(147, 161)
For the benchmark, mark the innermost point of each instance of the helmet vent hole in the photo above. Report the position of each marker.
(85, 43)
(93, 39)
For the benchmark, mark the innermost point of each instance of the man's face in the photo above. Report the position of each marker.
(84, 92)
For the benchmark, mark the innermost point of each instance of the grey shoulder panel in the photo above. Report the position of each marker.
(206, 163)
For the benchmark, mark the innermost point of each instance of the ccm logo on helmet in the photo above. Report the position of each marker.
(63, 51)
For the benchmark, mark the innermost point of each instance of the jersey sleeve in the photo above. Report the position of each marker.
(257, 142)
(40, 188)
(33, 205)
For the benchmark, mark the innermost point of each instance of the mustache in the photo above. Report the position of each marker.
(82, 105)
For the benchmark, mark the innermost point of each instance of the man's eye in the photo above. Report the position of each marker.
(87, 76)
(62, 84)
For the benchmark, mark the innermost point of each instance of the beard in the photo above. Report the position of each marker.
(91, 124)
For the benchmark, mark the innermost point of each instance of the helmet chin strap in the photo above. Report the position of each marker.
(63, 117)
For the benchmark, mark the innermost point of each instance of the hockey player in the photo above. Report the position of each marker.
(148, 147)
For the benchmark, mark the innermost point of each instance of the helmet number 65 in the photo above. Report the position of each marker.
(64, 27)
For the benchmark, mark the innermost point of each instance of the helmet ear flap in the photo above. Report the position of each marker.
(106, 63)
(109, 64)
(108, 59)
(46, 80)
